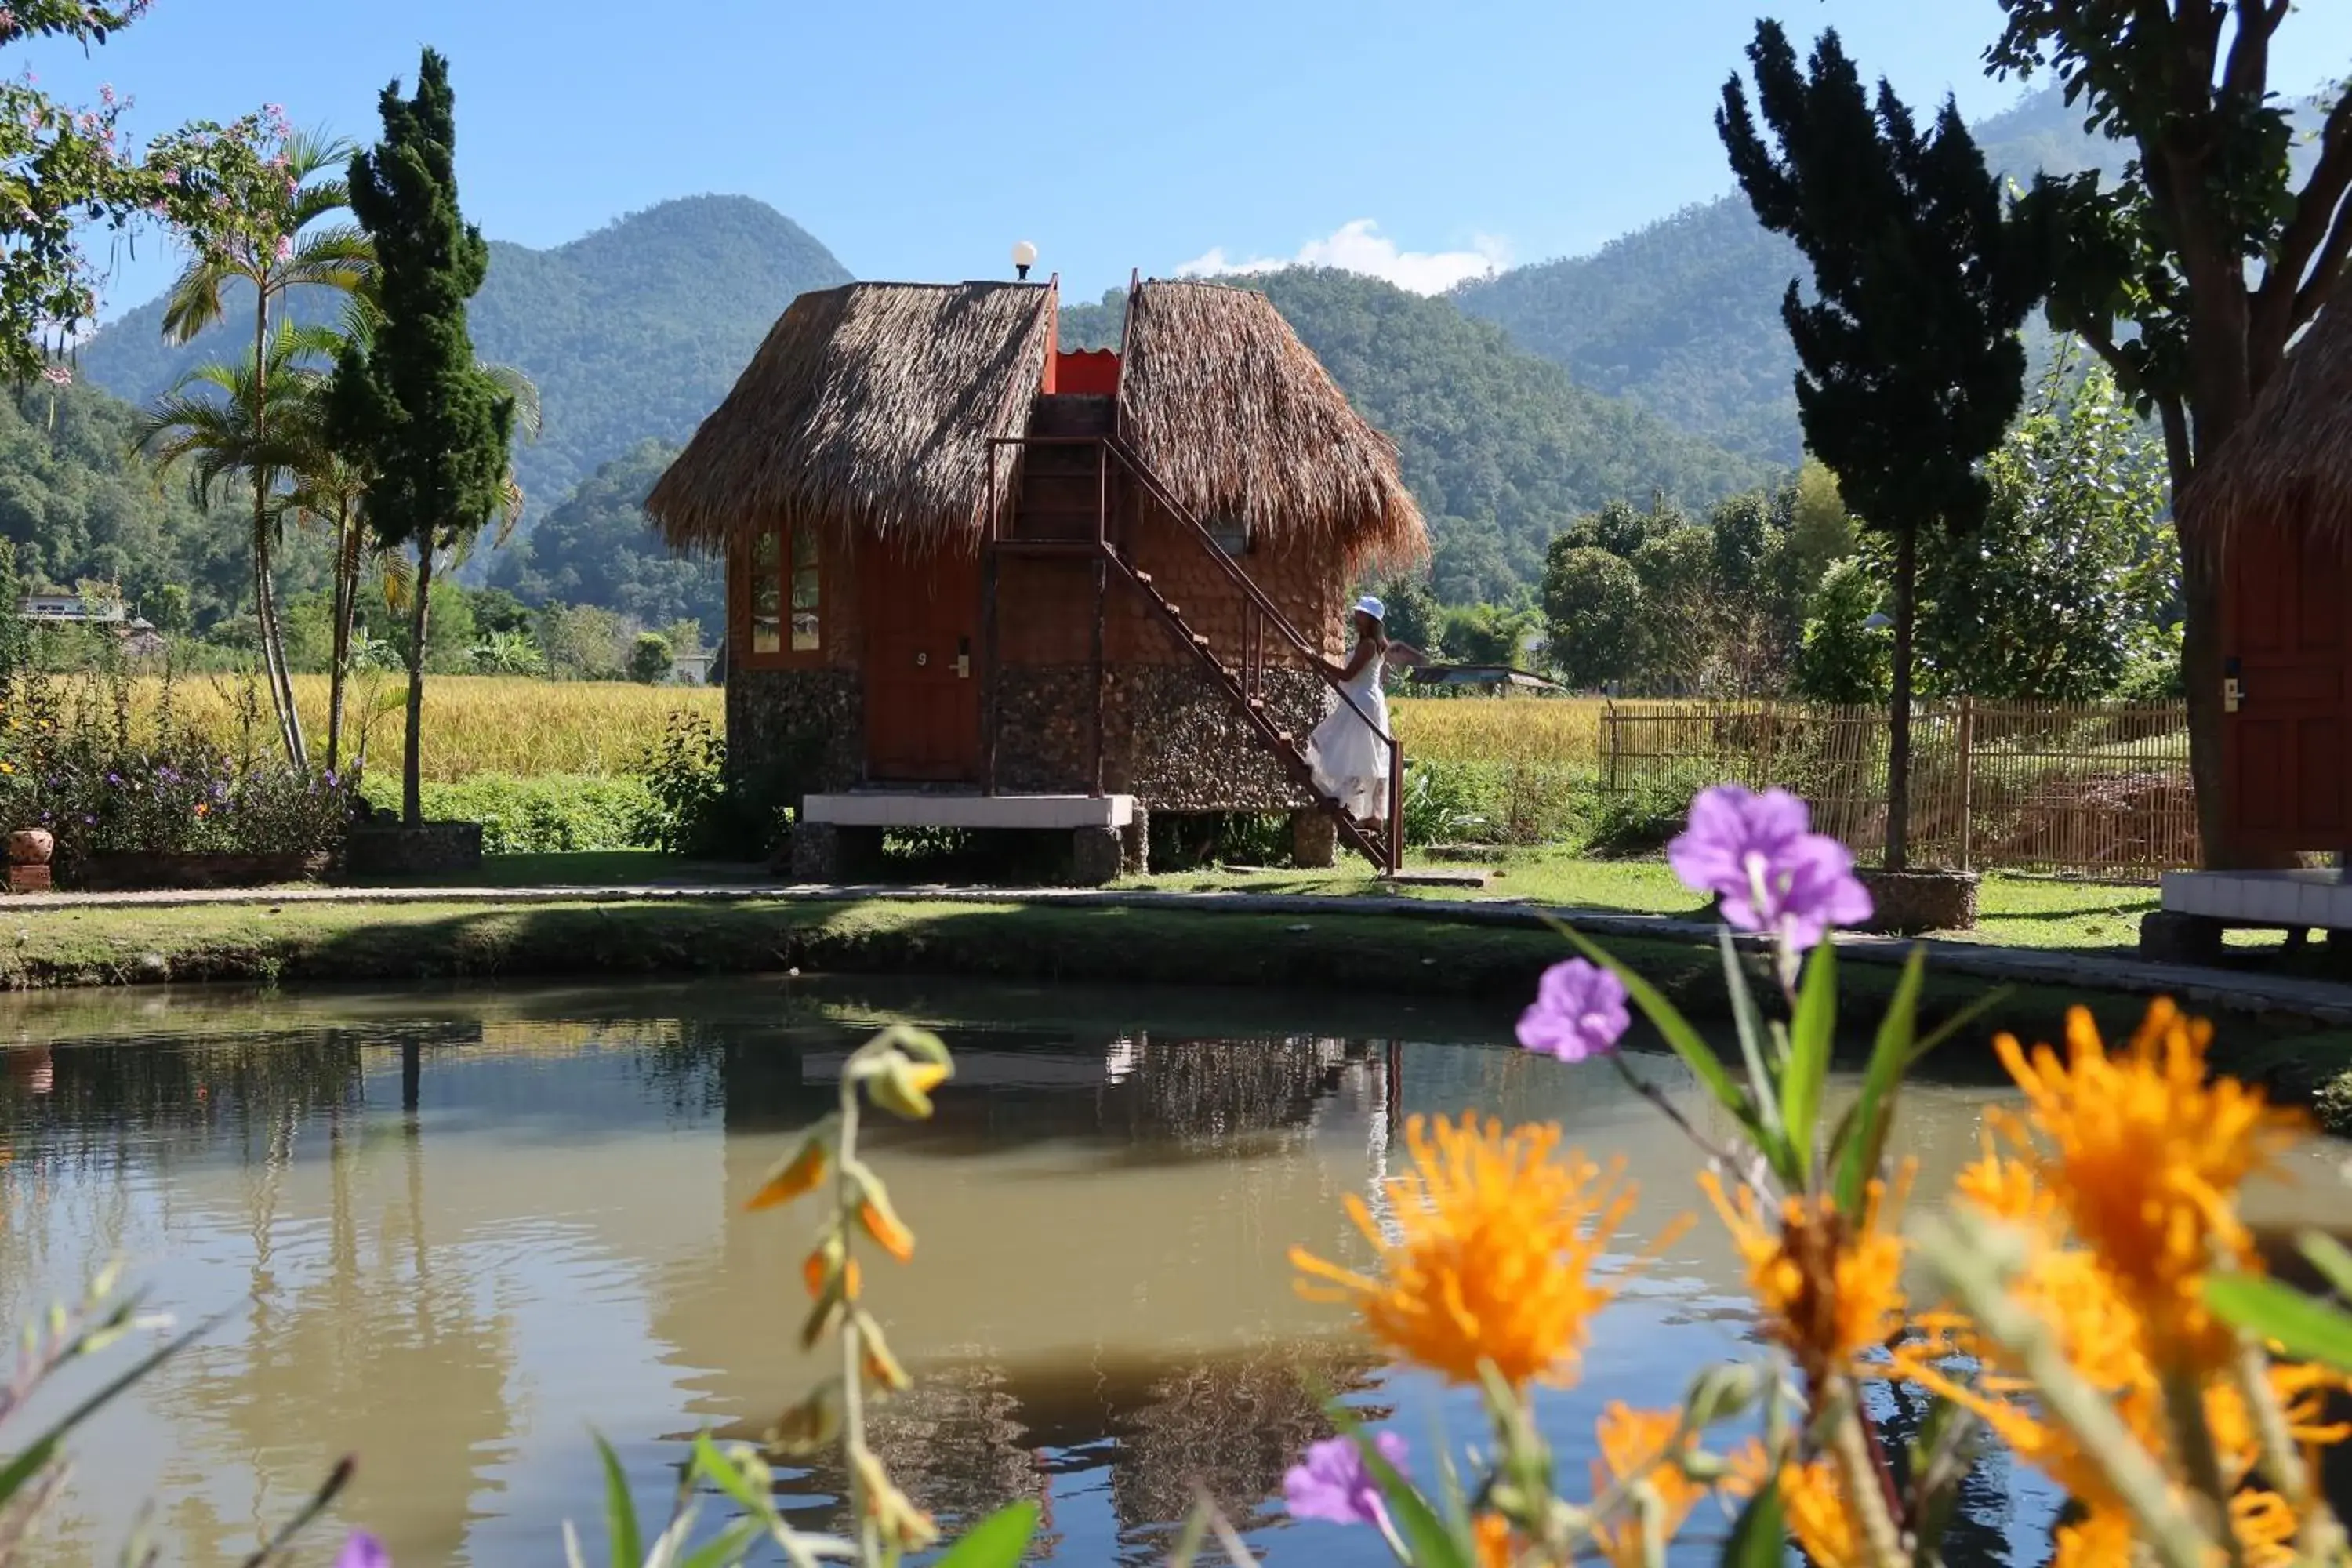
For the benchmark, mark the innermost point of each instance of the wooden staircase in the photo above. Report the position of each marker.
(1074, 469)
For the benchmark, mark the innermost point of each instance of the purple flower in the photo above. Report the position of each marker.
(1333, 1482)
(361, 1550)
(1579, 1011)
(1759, 855)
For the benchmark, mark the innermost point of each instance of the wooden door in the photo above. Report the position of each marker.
(2284, 640)
(921, 613)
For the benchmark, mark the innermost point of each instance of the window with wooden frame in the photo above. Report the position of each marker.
(781, 601)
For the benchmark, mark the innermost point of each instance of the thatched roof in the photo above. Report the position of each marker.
(867, 408)
(2288, 468)
(1239, 420)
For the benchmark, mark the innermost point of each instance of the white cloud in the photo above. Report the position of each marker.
(1359, 247)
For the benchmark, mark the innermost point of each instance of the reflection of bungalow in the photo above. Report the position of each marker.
(976, 582)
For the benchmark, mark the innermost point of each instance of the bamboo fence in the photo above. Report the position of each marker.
(2090, 789)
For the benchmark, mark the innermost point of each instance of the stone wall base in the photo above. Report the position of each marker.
(431, 849)
(1314, 840)
(1908, 902)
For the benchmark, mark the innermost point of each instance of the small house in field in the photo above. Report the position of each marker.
(974, 581)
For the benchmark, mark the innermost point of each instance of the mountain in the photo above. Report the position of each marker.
(595, 547)
(1683, 318)
(634, 332)
(1500, 447)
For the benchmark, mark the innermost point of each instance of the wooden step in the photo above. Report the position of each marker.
(1144, 578)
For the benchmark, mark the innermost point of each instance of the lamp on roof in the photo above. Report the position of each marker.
(1025, 257)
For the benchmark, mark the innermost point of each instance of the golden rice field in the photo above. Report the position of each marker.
(473, 723)
(521, 726)
(1546, 732)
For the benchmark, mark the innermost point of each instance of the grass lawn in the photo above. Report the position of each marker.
(2017, 910)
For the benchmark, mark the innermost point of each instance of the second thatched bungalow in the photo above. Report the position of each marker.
(975, 581)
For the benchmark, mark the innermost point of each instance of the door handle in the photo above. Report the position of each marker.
(2233, 691)
(963, 658)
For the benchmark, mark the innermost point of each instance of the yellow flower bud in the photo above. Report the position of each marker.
(812, 1424)
(904, 1088)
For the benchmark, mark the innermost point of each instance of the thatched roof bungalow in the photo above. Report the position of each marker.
(981, 581)
(2275, 503)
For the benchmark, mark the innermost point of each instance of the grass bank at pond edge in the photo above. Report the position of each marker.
(1368, 952)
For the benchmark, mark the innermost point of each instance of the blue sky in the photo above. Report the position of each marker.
(921, 140)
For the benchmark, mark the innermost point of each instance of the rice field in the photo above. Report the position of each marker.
(521, 727)
(474, 724)
(1544, 731)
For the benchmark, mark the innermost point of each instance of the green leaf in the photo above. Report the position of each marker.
(1750, 1024)
(728, 1477)
(732, 1546)
(2304, 1326)
(1696, 1053)
(1758, 1538)
(620, 1513)
(996, 1542)
(44, 1448)
(1863, 1143)
(1812, 1033)
(1424, 1535)
(2327, 1254)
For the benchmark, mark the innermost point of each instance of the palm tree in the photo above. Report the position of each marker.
(330, 490)
(244, 423)
(283, 243)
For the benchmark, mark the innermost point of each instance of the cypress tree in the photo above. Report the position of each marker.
(410, 404)
(1911, 368)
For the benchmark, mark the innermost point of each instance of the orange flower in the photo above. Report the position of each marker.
(887, 1229)
(1490, 1533)
(1831, 1285)
(1497, 1247)
(796, 1176)
(1644, 1445)
(1814, 1504)
(2145, 1158)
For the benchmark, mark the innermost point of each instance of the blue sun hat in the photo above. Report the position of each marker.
(1368, 606)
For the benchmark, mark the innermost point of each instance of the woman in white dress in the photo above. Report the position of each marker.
(1350, 757)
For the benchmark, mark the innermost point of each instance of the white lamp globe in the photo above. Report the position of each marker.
(1024, 255)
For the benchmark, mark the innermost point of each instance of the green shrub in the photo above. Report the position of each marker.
(549, 813)
(693, 807)
(1443, 804)
(1637, 821)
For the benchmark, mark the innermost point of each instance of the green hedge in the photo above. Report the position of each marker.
(545, 813)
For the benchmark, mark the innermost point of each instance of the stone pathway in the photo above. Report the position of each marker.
(2323, 1001)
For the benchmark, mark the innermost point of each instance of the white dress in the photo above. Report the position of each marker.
(1350, 759)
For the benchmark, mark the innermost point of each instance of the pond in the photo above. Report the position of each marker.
(457, 1231)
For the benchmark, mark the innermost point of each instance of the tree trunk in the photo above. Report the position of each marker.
(346, 604)
(264, 600)
(412, 790)
(1898, 717)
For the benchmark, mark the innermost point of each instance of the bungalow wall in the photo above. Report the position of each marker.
(799, 727)
(1170, 736)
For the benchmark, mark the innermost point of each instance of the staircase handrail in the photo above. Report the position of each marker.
(1142, 474)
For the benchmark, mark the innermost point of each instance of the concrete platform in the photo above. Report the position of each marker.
(2306, 899)
(891, 808)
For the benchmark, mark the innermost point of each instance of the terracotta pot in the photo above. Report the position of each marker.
(31, 847)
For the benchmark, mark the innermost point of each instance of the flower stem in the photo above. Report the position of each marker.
(2192, 1437)
(853, 1400)
(1865, 1485)
(2321, 1538)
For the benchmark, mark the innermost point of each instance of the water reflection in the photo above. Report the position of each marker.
(455, 1232)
